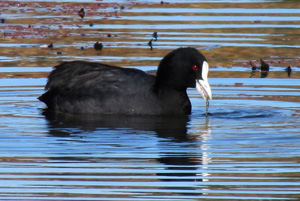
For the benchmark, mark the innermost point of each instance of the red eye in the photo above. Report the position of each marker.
(195, 68)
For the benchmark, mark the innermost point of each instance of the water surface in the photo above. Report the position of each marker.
(246, 148)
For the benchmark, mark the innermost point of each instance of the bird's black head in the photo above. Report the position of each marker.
(183, 68)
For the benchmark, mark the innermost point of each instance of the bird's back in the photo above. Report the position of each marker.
(86, 87)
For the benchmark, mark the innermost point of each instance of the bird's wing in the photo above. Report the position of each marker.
(86, 78)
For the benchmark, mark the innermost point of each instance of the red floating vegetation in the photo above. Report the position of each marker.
(238, 84)
(60, 9)
(107, 10)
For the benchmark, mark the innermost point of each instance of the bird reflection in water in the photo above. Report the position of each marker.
(183, 155)
(188, 162)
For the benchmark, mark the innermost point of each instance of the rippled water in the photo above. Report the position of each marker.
(247, 148)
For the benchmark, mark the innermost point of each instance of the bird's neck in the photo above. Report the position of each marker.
(174, 97)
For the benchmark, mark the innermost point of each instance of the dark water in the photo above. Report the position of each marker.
(247, 148)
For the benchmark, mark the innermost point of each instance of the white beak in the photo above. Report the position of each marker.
(204, 89)
(202, 85)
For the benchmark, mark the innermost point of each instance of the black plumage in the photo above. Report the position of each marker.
(264, 68)
(289, 71)
(98, 46)
(150, 44)
(81, 13)
(87, 87)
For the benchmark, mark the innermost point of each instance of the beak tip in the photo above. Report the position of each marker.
(204, 89)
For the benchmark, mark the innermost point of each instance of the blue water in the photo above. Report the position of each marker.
(244, 149)
(216, 10)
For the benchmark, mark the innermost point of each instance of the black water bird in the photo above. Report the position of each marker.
(50, 46)
(154, 36)
(264, 68)
(253, 68)
(98, 46)
(87, 87)
(81, 13)
(150, 44)
(289, 71)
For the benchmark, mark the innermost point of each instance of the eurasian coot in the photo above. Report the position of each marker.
(264, 68)
(155, 36)
(98, 46)
(87, 87)
(81, 13)
(150, 44)
(289, 71)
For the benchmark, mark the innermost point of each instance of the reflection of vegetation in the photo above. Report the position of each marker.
(75, 33)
